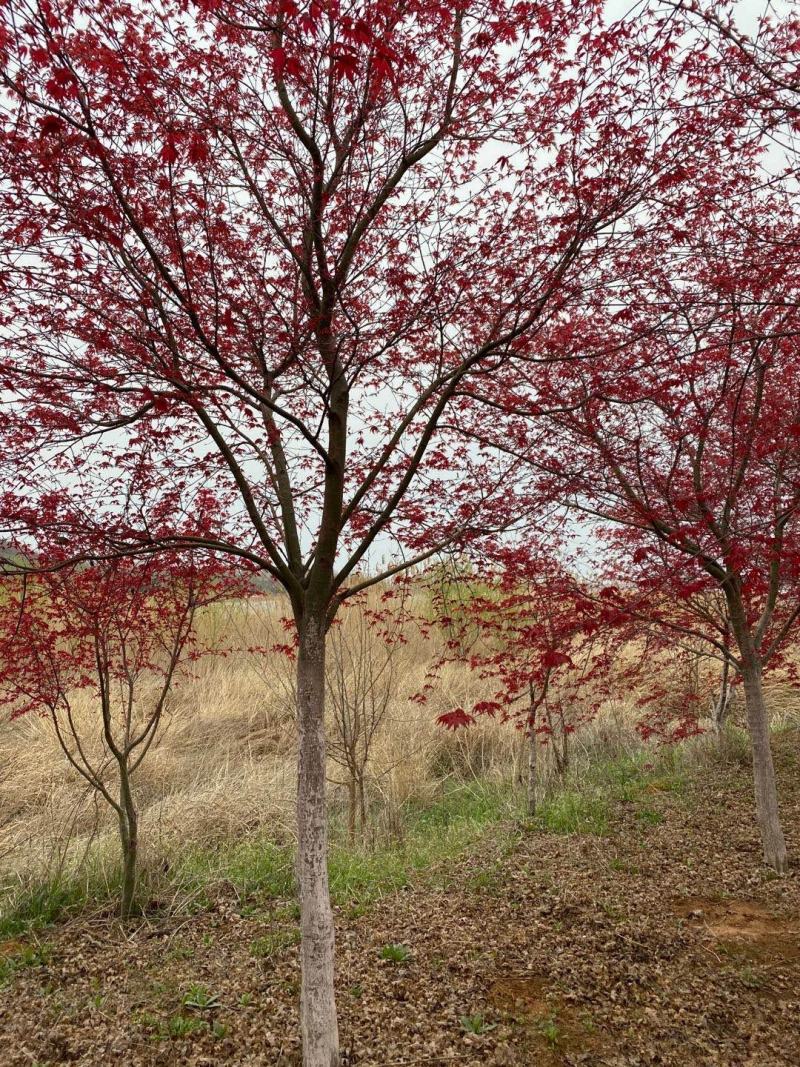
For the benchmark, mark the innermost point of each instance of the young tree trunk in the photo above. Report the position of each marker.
(352, 805)
(533, 748)
(560, 751)
(719, 710)
(129, 836)
(765, 787)
(764, 783)
(317, 1002)
(362, 806)
(563, 763)
(521, 760)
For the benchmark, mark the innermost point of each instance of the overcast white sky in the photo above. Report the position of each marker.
(747, 11)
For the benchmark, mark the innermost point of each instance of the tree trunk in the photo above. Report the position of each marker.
(558, 746)
(564, 761)
(719, 710)
(351, 809)
(766, 790)
(317, 1002)
(533, 747)
(129, 836)
(362, 807)
(521, 759)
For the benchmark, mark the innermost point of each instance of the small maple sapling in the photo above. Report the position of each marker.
(530, 628)
(96, 648)
(363, 647)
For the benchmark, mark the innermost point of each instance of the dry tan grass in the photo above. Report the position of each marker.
(223, 764)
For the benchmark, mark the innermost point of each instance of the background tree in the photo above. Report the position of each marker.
(111, 633)
(530, 628)
(360, 680)
(684, 623)
(686, 441)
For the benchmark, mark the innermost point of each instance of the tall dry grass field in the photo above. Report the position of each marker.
(223, 764)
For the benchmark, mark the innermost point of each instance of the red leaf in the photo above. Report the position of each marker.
(486, 707)
(51, 126)
(452, 720)
(553, 658)
(198, 149)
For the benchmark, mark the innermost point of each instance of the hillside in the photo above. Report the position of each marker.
(630, 924)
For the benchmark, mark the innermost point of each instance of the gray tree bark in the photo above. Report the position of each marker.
(764, 784)
(318, 1020)
(533, 758)
(129, 836)
(766, 790)
(721, 707)
(533, 783)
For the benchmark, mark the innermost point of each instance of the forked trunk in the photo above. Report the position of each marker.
(766, 790)
(317, 1002)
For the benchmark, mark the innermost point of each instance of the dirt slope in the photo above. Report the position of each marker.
(662, 943)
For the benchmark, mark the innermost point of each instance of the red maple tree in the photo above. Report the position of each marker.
(682, 445)
(111, 634)
(254, 257)
(527, 625)
(754, 70)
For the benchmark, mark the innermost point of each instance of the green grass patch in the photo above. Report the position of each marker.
(33, 955)
(264, 948)
(476, 1024)
(32, 905)
(550, 1031)
(263, 871)
(435, 835)
(255, 867)
(573, 812)
(174, 1028)
(198, 998)
(585, 803)
(649, 817)
(395, 953)
(627, 778)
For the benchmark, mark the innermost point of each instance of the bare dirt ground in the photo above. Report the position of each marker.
(662, 943)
